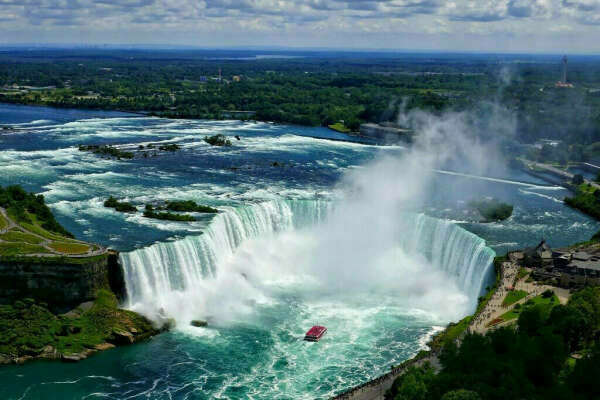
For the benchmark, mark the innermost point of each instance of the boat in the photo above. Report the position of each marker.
(315, 333)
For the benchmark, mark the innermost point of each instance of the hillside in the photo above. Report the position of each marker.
(58, 295)
(29, 230)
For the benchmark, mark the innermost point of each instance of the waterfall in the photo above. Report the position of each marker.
(451, 248)
(176, 274)
(154, 274)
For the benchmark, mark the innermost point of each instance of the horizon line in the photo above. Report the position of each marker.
(158, 46)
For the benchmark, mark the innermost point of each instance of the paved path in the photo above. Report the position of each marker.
(494, 308)
(375, 389)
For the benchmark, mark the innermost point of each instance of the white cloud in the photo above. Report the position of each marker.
(242, 20)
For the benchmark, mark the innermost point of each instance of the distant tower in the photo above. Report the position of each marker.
(564, 72)
(220, 76)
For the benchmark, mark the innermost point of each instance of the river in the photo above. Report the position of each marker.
(285, 252)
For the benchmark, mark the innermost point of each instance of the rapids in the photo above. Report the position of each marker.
(285, 253)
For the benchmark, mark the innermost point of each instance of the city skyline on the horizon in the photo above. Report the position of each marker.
(503, 26)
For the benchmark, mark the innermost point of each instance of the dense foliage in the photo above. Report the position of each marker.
(27, 327)
(318, 88)
(586, 199)
(149, 212)
(189, 205)
(529, 362)
(169, 147)
(23, 206)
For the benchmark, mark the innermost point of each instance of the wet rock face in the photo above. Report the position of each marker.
(121, 337)
(61, 286)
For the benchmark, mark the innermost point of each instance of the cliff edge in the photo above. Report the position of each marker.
(59, 296)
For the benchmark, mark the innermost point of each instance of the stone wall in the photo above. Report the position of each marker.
(62, 286)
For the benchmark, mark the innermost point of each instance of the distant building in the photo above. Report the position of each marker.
(236, 78)
(565, 267)
(563, 82)
(539, 255)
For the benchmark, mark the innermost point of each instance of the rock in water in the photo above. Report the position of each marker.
(198, 323)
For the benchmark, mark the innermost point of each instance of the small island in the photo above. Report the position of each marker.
(190, 206)
(106, 150)
(218, 140)
(150, 212)
(163, 212)
(492, 209)
(120, 206)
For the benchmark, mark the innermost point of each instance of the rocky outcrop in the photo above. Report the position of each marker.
(72, 336)
(62, 285)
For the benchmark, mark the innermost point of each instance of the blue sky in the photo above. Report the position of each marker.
(569, 26)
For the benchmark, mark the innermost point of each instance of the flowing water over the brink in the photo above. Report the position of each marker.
(161, 273)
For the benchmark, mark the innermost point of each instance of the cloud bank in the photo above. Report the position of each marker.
(538, 24)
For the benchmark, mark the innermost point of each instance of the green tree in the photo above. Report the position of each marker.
(461, 394)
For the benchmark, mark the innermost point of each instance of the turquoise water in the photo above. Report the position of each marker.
(272, 264)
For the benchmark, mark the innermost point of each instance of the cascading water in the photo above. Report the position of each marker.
(460, 253)
(160, 273)
(196, 273)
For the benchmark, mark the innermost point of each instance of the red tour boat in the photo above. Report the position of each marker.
(315, 333)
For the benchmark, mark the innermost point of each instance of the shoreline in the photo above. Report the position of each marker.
(375, 388)
(352, 138)
(484, 319)
(134, 113)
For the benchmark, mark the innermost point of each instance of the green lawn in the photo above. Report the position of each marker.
(69, 248)
(338, 126)
(38, 230)
(18, 236)
(546, 303)
(513, 296)
(15, 249)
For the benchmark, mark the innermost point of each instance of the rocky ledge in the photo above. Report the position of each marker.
(29, 330)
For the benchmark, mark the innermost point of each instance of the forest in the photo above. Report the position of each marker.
(554, 353)
(316, 88)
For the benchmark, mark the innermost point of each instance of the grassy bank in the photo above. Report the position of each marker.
(339, 127)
